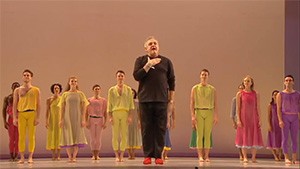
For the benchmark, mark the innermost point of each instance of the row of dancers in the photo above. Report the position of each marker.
(96, 117)
(283, 120)
(156, 94)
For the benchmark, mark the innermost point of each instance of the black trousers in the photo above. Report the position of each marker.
(153, 126)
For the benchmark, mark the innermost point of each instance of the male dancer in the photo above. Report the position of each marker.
(288, 109)
(26, 113)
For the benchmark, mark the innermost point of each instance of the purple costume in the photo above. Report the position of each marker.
(274, 136)
(290, 108)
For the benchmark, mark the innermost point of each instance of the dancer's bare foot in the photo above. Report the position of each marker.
(21, 161)
(201, 159)
(287, 161)
(30, 160)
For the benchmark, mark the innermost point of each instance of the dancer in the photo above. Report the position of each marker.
(134, 132)
(274, 130)
(168, 144)
(52, 121)
(193, 140)
(233, 117)
(156, 78)
(248, 120)
(73, 108)
(204, 114)
(96, 120)
(288, 109)
(120, 104)
(26, 113)
(7, 110)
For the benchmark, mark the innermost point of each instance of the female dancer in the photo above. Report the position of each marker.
(134, 132)
(170, 125)
(73, 108)
(274, 130)
(248, 120)
(233, 117)
(52, 121)
(8, 123)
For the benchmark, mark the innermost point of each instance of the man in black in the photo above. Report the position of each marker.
(156, 78)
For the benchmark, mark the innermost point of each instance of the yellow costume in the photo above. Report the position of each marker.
(26, 107)
(54, 130)
(120, 105)
(204, 110)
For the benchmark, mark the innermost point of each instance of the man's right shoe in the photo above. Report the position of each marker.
(147, 161)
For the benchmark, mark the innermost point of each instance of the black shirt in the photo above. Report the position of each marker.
(154, 84)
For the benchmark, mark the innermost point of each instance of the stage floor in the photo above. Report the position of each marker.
(173, 162)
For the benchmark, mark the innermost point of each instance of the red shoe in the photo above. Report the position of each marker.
(159, 161)
(147, 161)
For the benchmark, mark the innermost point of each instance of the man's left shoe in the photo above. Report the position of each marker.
(159, 161)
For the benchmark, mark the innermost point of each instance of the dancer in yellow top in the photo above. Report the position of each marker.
(26, 113)
(119, 105)
(52, 121)
(204, 114)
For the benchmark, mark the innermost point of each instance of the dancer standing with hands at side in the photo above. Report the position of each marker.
(52, 121)
(248, 120)
(26, 113)
(96, 120)
(73, 104)
(119, 106)
(13, 133)
(288, 109)
(204, 112)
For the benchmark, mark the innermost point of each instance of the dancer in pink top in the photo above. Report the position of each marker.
(96, 120)
(248, 120)
(7, 112)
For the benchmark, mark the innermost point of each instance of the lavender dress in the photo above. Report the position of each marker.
(275, 136)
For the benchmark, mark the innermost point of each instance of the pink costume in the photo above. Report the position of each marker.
(12, 130)
(96, 111)
(249, 135)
